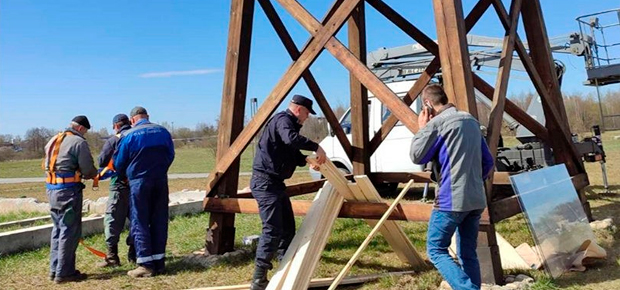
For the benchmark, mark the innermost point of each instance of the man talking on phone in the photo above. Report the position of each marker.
(461, 161)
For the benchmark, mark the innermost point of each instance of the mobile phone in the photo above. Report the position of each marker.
(428, 105)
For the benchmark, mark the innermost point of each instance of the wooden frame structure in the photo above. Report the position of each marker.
(459, 83)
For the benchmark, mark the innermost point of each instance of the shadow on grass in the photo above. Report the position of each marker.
(599, 192)
(180, 264)
(378, 267)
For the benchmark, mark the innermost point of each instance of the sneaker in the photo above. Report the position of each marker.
(77, 276)
(109, 262)
(141, 272)
(52, 276)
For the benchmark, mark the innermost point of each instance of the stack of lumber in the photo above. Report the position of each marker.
(301, 258)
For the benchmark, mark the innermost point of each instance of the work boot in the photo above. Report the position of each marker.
(141, 272)
(259, 280)
(131, 255)
(111, 259)
(77, 276)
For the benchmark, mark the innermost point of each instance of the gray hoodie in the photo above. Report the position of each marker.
(461, 159)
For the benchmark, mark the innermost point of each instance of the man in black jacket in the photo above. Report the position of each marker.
(117, 207)
(276, 158)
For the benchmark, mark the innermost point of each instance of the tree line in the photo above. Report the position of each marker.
(582, 111)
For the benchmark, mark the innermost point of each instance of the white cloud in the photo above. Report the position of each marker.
(168, 74)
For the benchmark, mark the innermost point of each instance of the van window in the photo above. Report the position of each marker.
(385, 113)
(345, 123)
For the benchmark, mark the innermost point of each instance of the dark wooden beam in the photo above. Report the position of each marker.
(362, 73)
(402, 23)
(559, 138)
(313, 86)
(454, 54)
(411, 95)
(513, 110)
(220, 236)
(406, 211)
(500, 178)
(290, 78)
(359, 94)
(501, 87)
(296, 189)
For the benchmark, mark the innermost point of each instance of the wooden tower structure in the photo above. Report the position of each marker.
(451, 56)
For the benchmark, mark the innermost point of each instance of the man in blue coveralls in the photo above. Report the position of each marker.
(276, 158)
(67, 161)
(144, 155)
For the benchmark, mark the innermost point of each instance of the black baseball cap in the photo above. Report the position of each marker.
(303, 101)
(82, 120)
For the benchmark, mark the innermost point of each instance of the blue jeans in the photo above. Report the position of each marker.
(66, 212)
(441, 228)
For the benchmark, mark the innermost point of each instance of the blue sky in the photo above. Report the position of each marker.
(59, 59)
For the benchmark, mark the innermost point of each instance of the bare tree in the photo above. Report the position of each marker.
(35, 140)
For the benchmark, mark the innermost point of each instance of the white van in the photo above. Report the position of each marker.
(393, 153)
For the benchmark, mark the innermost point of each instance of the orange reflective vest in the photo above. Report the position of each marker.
(51, 177)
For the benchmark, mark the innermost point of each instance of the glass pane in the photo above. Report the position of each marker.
(554, 214)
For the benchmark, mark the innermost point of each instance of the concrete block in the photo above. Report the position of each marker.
(39, 236)
(35, 237)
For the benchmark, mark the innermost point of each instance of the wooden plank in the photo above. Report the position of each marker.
(363, 74)
(221, 230)
(454, 54)
(322, 282)
(308, 254)
(359, 94)
(290, 78)
(313, 86)
(366, 241)
(391, 231)
(311, 235)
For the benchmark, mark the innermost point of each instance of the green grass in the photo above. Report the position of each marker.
(187, 160)
(28, 270)
(19, 215)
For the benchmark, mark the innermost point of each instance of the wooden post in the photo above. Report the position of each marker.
(359, 94)
(454, 54)
(309, 54)
(221, 232)
(313, 86)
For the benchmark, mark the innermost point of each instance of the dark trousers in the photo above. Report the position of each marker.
(117, 211)
(66, 212)
(276, 214)
(149, 220)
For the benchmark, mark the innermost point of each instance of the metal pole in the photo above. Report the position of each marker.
(600, 105)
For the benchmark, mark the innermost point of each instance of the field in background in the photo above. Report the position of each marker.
(28, 270)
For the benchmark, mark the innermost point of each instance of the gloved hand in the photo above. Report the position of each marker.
(105, 173)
